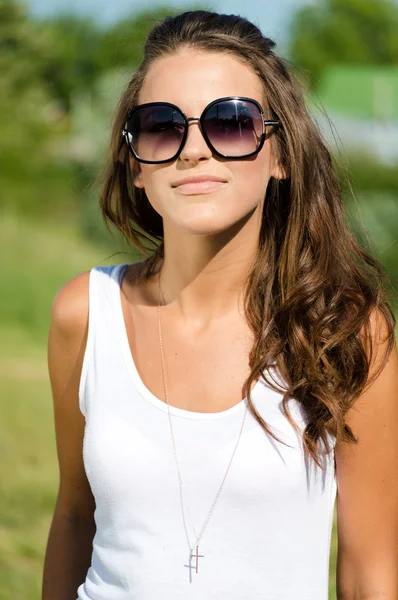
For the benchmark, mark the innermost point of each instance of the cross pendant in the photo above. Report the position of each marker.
(197, 556)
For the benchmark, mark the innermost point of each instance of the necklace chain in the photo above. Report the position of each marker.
(174, 446)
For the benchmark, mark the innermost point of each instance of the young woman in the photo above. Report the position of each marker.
(213, 399)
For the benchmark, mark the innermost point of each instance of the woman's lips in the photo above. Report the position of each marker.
(199, 187)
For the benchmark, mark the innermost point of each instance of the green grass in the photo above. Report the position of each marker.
(28, 473)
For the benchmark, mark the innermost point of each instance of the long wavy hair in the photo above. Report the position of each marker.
(312, 288)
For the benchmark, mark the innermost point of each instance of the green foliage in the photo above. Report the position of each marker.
(73, 62)
(370, 191)
(368, 175)
(355, 32)
(373, 219)
(361, 92)
(29, 117)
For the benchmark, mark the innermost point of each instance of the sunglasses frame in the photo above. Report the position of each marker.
(266, 123)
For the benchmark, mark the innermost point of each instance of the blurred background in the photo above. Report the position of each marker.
(63, 65)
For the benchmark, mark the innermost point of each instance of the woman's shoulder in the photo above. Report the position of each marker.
(69, 310)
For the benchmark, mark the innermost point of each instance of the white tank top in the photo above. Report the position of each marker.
(269, 535)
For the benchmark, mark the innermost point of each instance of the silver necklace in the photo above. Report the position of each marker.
(196, 555)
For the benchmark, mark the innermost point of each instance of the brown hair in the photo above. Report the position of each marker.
(312, 288)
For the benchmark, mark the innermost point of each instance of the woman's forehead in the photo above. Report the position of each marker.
(191, 79)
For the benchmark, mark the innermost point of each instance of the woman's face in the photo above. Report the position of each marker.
(192, 79)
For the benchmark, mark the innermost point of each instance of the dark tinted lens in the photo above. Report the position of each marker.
(155, 132)
(234, 127)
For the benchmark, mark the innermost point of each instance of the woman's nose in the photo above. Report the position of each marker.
(195, 146)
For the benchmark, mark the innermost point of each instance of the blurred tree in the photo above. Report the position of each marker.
(72, 65)
(29, 117)
(344, 32)
(22, 45)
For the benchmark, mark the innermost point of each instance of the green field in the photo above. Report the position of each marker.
(36, 260)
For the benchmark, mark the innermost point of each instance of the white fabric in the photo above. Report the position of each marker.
(270, 532)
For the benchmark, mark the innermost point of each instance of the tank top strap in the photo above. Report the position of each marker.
(103, 299)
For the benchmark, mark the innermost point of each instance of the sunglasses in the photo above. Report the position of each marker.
(233, 127)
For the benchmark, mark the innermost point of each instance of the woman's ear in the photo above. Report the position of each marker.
(136, 174)
(278, 172)
(137, 180)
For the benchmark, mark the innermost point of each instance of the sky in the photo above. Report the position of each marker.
(272, 16)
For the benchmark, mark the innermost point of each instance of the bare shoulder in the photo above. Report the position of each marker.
(66, 348)
(69, 311)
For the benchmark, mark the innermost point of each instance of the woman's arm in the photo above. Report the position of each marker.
(367, 487)
(69, 546)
